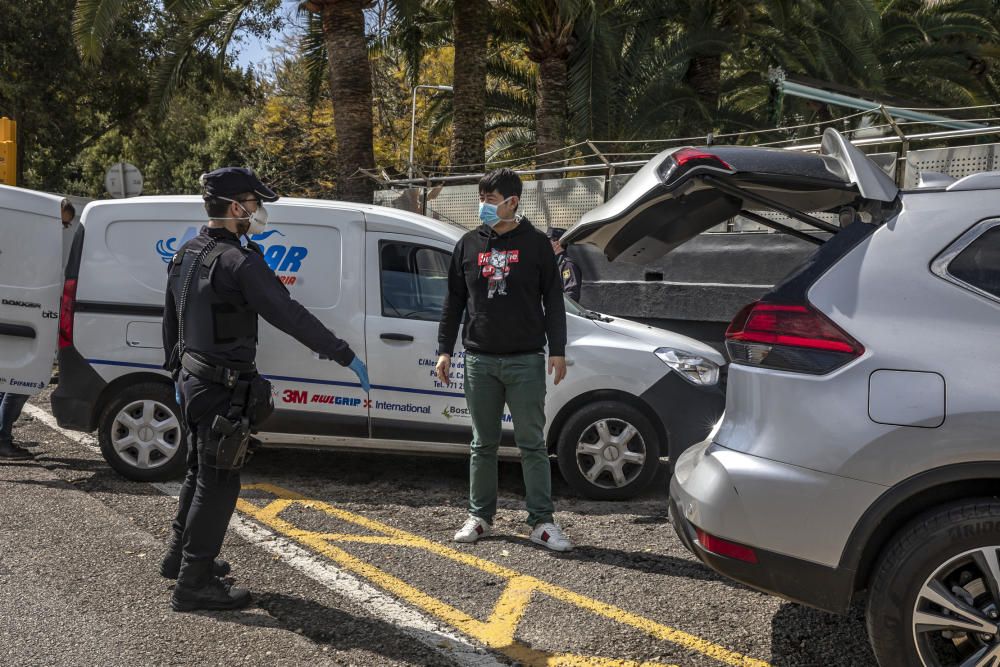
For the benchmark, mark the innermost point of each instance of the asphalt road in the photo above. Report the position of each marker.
(350, 561)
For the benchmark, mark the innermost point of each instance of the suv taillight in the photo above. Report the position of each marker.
(66, 312)
(789, 337)
(683, 160)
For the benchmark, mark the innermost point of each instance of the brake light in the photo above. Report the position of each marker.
(687, 156)
(684, 159)
(790, 337)
(721, 547)
(66, 311)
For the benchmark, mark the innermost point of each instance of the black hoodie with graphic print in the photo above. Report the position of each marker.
(510, 286)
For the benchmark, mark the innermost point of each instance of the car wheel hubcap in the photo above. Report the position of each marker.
(956, 618)
(611, 453)
(145, 434)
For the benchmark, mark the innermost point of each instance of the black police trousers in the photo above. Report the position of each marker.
(208, 495)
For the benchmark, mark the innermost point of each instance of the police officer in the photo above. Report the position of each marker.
(215, 290)
(568, 270)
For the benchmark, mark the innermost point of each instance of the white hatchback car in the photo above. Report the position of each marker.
(860, 447)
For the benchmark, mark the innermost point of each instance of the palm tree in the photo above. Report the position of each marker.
(341, 24)
(343, 27)
(471, 36)
(547, 30)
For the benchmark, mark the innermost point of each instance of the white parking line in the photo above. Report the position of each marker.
(384, 607)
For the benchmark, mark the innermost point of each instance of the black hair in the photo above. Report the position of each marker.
(504, 181)
(217, 207)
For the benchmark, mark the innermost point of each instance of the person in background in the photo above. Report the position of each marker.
(569, 272)
(68, 213)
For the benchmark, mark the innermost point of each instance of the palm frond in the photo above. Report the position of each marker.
(509, 142)
(313, 57)
(195, 33)
(94, 21)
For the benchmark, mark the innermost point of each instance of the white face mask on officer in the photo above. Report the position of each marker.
(257, 219)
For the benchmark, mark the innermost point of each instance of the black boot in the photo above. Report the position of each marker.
(11, 452)
(170, 566)
(198, 589)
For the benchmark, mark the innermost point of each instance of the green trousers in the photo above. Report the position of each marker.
(491, 381)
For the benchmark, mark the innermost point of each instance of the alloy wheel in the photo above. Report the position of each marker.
(956, 619)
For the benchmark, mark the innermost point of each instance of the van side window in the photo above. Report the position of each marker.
(414, 281)
(979, 264)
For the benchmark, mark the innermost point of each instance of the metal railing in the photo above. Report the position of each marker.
(590, 179)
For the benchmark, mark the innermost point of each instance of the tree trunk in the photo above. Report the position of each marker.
(704, 75)
(468, 144)
(351, 90)
(550, 113)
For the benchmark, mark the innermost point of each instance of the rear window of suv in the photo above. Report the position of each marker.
(978, 265)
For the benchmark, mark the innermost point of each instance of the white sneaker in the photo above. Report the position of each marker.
(473, 529)
(551, 535)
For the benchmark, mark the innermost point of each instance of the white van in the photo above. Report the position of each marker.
(377, 277)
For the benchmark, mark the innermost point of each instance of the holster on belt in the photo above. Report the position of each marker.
(233, 430)
(251, 403)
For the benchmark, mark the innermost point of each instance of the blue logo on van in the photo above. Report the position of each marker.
(280, 257)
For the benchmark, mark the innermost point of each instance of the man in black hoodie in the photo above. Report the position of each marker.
(504, 277)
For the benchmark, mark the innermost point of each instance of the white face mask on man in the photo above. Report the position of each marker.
(257, 219)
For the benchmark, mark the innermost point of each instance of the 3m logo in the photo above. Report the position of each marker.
(291, 396)
(303, 397)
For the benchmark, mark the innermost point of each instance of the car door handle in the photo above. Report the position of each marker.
(20, 331)
(397, 336)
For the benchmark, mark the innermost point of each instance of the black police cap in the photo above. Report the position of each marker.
(555, 233)
(230, 181)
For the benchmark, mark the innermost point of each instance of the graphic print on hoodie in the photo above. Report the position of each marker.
(496, 267)
(508, 288)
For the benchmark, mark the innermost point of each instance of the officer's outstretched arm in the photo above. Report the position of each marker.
(265, 294)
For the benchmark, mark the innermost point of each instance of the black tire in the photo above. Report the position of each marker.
(580, 427)
(935, 543)
(160, 398)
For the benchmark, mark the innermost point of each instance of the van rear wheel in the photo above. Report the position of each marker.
(935, 595)
(141, 433)
(608, 450)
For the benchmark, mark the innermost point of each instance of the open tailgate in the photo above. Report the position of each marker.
(683, 192)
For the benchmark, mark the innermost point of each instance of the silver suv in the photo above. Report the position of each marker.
(860, 447)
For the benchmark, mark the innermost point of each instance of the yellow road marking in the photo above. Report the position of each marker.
(498, 632)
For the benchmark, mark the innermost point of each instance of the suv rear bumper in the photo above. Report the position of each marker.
(829, 589)
(796, 579)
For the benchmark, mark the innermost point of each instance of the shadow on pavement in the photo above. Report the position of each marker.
(641, 561)
(422, 481)
(329, 625)
(803, 636)
(95, 474)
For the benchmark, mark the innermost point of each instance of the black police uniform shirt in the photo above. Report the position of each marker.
(570, 274)
(244, 279)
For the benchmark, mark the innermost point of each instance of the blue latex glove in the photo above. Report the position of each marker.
(361, 371)
(177, 392)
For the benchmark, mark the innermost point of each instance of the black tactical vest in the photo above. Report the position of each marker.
(217, 330)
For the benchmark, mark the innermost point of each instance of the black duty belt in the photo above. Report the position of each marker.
(224, 375)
